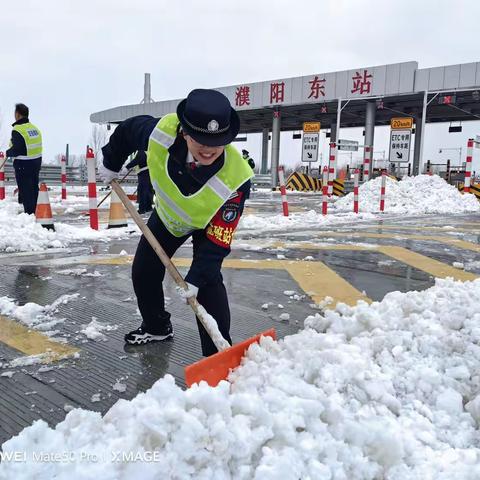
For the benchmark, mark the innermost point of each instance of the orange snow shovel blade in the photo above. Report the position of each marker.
(215, 368)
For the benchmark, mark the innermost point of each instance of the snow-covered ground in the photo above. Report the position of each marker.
(413, 196)
(423, 194)
(310, 219)
(386, 391)
(21, 233)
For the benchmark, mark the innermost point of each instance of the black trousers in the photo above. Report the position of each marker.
(26, 174)
(145, 192)
(147, 276)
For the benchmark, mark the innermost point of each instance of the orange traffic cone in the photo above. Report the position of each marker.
(116, 217)
(43, 213)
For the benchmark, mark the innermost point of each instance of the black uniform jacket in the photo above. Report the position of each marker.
(213, 245)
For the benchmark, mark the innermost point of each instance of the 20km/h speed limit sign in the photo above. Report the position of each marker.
(399, 146)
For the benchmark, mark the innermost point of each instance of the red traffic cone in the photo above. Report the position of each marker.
(43, 213)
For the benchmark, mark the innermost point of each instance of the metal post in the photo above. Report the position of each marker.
(66, 154)
(2, 176)
(419, 132)
(264, 168)
(92, 188)
(283, 191)
(367, 163)
(370, 112)
(63, 176)
(333, 132)
(468, 166)
(355, 191)
(448, 172)
(147, 90)
(275, 147)
(331, 168)
(339, 114)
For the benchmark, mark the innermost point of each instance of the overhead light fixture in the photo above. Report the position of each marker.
(240, 139)
(323, 108)
(379, 103)
(476, 95)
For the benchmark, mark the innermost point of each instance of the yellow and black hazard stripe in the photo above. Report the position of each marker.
(474, 188)
(339, 187)
(303, 183)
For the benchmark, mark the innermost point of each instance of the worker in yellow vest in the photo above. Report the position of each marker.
(201, 183)
(26, 151)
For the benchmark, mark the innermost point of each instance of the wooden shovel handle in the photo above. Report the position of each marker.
(170, 267)
(110, 192)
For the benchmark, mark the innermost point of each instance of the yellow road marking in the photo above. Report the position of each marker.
(451, 241)
(314, 278)
(32, 342)
(320, 281)
(426, 264)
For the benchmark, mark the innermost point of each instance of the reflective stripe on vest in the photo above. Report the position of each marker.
(183, 214)
(33, 140)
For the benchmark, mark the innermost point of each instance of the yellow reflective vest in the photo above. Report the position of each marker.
(33, 140)
(182, 214)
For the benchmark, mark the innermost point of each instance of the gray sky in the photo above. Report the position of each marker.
(66, 59)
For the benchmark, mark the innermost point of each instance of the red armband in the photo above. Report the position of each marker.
(222, 226)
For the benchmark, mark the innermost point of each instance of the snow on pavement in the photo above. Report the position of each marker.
(382, 391)
(423, 194)
(33, 315)
(20, 232)
(310, 219)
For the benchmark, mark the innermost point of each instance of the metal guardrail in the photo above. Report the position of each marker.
(51, 175)
(262, 180)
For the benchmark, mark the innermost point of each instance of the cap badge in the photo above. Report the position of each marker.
(212, 126)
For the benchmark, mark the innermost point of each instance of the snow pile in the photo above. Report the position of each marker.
(33, 315)
(413, 196)
(383, 391)
(21, 233)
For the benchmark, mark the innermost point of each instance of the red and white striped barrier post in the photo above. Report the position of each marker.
(331, 167)
(355, 190)
(468, 166)
(325, 184)
(382, 191)
(2, 176)
(367, 160)
(64, 177)
(283, 191)
(92, 188)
